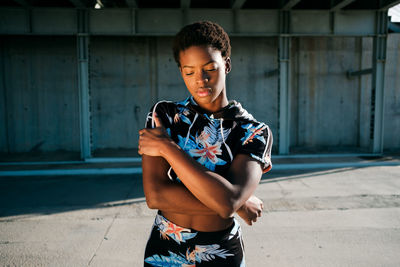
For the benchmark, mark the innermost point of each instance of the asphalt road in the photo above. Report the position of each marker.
(336, 217)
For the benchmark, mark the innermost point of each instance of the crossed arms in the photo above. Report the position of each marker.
(203, 192)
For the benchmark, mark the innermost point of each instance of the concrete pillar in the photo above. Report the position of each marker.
(378, 78)
(83, 80)
(284, 82)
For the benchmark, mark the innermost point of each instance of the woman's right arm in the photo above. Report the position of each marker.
(163, 194)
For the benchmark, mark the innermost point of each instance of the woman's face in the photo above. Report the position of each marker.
(204, 71)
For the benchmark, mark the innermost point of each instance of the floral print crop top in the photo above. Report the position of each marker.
(213, 139)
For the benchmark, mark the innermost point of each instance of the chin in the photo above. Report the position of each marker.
(204, 100)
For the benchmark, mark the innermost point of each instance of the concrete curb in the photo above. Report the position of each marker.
(138, 170)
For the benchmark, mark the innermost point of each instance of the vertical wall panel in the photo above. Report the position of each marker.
(248, 83)
(42, 96)
(294, 94)
(3, 102)
(170, 83)
(328, 102)
(120, 90)
(391, 130)
(366, 94)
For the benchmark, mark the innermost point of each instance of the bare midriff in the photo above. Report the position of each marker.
(203, 223)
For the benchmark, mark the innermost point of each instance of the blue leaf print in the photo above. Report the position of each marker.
(184, 102)
(253, 131)
(169, 118)
(191, 99)
(258, 158)
(185, 119)
(210, 252)
(183, 143)
(173, 260)
(214, 133)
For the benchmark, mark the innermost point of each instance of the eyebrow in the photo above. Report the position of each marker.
(211, 61)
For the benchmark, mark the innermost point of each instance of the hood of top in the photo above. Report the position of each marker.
(233, 111)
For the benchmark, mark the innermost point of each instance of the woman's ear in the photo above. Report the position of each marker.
(228, 65)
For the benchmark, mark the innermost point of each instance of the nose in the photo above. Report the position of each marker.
(202, 78)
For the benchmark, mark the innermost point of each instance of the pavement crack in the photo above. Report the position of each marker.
(104, 238)
(306, 185)
(108, 230)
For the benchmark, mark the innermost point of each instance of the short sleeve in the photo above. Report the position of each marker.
(256, 142)
(162, 110)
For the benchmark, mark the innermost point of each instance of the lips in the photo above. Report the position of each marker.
(202, 92)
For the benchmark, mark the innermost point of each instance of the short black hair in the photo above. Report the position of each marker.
(202, 33)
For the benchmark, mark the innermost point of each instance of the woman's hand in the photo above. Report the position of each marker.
(251, 210)
(152, 140)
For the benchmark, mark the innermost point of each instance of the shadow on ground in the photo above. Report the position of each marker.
(284, 175)
(48, 195)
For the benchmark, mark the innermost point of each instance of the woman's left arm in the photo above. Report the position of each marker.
(212, 189)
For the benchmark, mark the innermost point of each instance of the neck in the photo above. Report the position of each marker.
(220, 102)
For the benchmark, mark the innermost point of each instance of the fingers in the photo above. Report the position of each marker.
(139, 145)
(262, 208)
(141, 132)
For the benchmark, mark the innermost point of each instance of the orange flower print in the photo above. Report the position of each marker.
(175, 230)
(171, 230)
(206, 147)
(176, 118)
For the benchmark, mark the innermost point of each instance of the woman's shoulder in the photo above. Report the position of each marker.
(168, 104)
(255, 139)
(245, 119)
(166, 110)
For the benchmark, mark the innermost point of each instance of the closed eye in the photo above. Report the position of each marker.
(191, 73)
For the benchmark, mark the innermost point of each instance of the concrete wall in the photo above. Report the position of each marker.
(167, 79)
(4, 144)
(40, 88)
(328, 111)
(129, 74)
(366, 132)
(325, 103)
(391, 123)
(248, 83)
(120, 90)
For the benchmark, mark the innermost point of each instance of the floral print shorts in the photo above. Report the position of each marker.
(173, 246)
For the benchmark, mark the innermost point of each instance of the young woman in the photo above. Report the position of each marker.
(202, 160)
